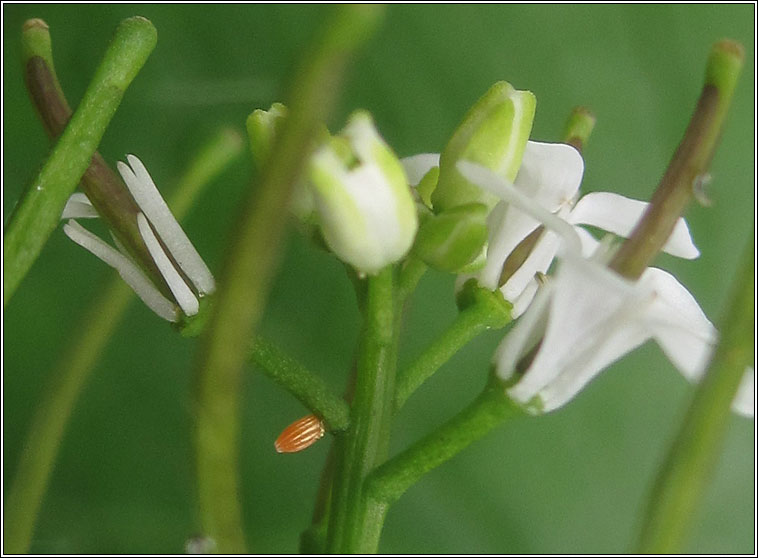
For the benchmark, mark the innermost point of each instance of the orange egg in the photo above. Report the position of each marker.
(301, 434)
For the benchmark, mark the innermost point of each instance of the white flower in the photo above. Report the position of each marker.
(158, 228)
(550, 175)
(588, 317)
(364, 206)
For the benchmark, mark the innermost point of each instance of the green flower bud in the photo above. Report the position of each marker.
(262, 127)
(363, 202)
(451, 240)
(493, 134)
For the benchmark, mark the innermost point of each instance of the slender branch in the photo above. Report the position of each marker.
(488, 310)
(39, 210)
(684, 476)
(249, 267)
(90, 339)
(309, 388)
(387, 483)
(688, 167)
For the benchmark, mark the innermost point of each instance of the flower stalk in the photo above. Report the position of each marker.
(365, 444)
(687, 469)
(307, 387)
(487, 310)
(249, 266)
(37, 213)
(689, 165)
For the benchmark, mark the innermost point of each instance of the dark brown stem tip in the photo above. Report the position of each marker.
(34, 23)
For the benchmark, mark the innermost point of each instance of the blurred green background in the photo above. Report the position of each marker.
(570, 482)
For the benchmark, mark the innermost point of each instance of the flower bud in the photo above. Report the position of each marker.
(363, 203)
(493, 134)
(451, 240)
(262, 127)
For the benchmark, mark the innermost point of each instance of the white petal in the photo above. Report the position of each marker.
(538, 261)
(744, 402)
(589, 242)
(151, 203)
(183, 294)
(78, 206)
(595, 318)
(523, 300)
(679, 325)
(416, 166)
(507, 227)
(619, 215)
(550, 174)
(130, 273)
(489, 181)
(524, 335)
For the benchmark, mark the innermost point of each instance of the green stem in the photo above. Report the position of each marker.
(249, 266)
(486, 310)
(103, 187)
(309, 388)
(689, 166)
(365, 444)
(39, 210)
(387, 483)
(410, 274)
(95, 329)
(684, 476)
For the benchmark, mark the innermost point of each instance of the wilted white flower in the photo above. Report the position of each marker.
(158, 228)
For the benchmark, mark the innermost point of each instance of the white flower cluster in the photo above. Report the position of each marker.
(586, 316)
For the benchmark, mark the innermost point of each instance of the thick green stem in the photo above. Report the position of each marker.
(249, 266)
(95, 329)
(39, 210)
(486, 310)
(685, 474)
(387, 483)
(688, 169)
(365, 444)
(309, 388)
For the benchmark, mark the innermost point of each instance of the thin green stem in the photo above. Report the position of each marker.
(687, 470)
(103, 187)
(365, 444)
(390, 481)
(91, 336)
(39, 210)
(410, 274)
(689, 166)
(487, 310)
(309, 388)
(249, 267)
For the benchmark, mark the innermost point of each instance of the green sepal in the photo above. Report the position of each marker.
(454, 238)
(493, 134)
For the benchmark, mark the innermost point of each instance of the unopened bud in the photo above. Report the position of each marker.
(363, 202)
(493, 134)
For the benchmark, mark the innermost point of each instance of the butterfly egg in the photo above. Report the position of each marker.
(301, 434)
